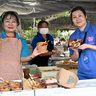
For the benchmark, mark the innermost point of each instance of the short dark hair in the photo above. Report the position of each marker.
(77, 8)
(41, 22)
(11, 13)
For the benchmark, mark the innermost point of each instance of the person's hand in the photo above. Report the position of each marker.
(84, 46)
(44, 54)
(48, 53)
(36, 53)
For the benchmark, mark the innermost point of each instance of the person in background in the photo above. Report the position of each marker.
(13, 48)
(85, 54)
(63, 42)
(56, 40)
(43, 35)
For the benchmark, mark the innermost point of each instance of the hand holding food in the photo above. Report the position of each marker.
(84, 46)
(37, 51)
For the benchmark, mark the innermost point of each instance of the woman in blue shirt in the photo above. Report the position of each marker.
(86, 53)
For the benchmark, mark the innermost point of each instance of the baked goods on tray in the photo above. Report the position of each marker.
(74, 43)
(10, 85)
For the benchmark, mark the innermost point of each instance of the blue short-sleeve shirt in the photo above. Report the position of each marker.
(25, 49)
(87, 60)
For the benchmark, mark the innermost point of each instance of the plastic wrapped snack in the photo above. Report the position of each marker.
(42, 46)
(75, 43)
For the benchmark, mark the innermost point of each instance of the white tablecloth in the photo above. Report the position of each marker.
(86, 83)
(83, 88)
(89, 91)
(18, 93)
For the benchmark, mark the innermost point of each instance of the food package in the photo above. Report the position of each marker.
(74, 43)
(35, 72)
(8, 85)
(66, 78)
(50, 82)
(42, 46)
(32, 71)
(33, 83)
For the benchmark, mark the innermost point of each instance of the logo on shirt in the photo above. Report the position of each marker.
(90, 39)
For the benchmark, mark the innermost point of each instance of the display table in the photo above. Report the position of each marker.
(59, 58)
(86, 83)
(54, 59)
(49, 71)
(67, 92)
(83, 88)
(68, 66)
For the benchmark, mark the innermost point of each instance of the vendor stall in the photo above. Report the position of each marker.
(35, 88)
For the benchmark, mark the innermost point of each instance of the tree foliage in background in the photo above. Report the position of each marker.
(30, 30)
(30, 33)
